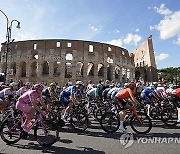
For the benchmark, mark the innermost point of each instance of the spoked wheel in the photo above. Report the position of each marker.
(46, 133)
(79, 121)
(142, 127)
(10, 131)
(100, 111)
(109, 122)
(169, 116)
(156, 114)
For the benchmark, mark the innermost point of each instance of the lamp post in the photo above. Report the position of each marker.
(8, 40)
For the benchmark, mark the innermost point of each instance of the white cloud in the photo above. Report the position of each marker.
(177, 41)
(162, 10)
(162, 56)
(116, 31)
(170, 25)
(93, 28)
(132, 39)
(117, 42)
(137, 30)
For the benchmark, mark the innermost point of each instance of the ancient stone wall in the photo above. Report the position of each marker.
(60, 60)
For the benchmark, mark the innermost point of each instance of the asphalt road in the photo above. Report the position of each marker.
(160, 140)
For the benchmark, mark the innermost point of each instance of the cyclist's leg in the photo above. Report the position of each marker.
(28, 111)
(121, 105)
(147, 102)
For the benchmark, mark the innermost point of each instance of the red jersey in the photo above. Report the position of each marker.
(176, 92)
(125, 93)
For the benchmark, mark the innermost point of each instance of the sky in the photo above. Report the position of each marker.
(124, 23)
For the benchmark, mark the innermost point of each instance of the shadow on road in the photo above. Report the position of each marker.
(54, 149)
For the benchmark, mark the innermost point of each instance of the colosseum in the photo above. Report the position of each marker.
(61, 60)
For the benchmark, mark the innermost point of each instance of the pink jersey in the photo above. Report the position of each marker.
(29, 97)
(22, 90)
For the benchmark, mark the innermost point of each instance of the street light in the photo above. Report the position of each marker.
(8, 40)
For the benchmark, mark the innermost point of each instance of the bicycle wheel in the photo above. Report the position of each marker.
(109, 122)
(169, 116)
(100, 111)
(79, 121)
(10, 131)
(46, 133)
(141, 128)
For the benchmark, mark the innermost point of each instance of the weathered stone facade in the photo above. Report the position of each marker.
(60, 60)
(145, 65)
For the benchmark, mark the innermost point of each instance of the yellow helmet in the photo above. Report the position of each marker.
(52, 84)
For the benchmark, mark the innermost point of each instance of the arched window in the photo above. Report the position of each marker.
(91, 48)
(45, 68)
(90, 71)
(69, 56)
(68, 70)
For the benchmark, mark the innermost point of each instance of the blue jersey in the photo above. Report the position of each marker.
(69, 91)
(149, 90)
(115, 92)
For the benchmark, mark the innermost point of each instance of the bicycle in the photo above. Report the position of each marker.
(139, 121)
(11, 130)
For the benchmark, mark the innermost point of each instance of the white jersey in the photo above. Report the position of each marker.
(6, 92)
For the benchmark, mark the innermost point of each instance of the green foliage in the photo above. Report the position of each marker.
(170, 74)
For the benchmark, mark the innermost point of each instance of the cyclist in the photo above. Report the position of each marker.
(147, 94)
(49, 94)
(90, 85)
(27, 103)
(176, 99)
(93, 94)
(7, 94)
(22, 90)
(121, 98)
(68, 97)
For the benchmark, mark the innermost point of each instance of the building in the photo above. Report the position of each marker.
(60, 60)
(144, 60)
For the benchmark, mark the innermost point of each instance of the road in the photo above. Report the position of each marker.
(160, 140)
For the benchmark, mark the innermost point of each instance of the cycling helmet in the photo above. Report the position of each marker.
(79, 83)
(155, 83)
(13, 84)
(38, 87)
(53, 84)
(28, 84)
(126, 85)
(132, 85)
(99, 86)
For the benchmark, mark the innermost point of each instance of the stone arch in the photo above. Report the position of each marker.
(110, 60)
(109, 72)
(13, 66)
(90, 70)
(57, 68)
(79, 70)
(100, 69)
(117, 72)
(137, 74)
(23, 69)
(128, 74)
(34, 55)
(68, 70)
(69, 56)
(45, 68)
(33, 70)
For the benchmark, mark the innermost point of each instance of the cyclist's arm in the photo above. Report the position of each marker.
(73, 98)
(132, 96)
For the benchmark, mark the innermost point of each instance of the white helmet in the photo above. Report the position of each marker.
(79, 83)
(28, 84)
(13, 84)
